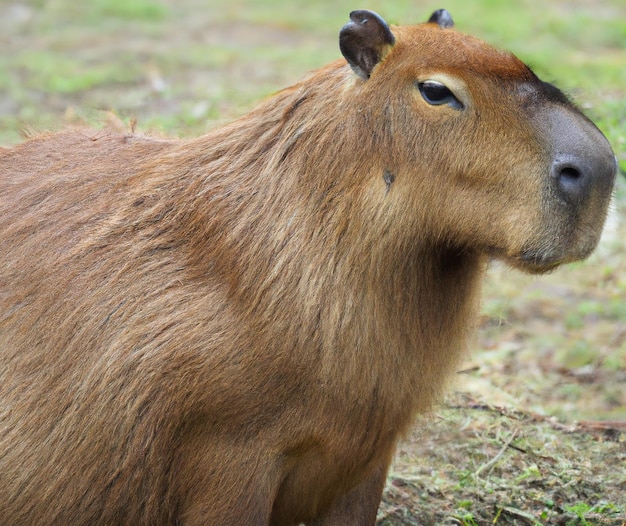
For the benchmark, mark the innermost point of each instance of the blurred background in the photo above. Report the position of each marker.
(553, 347)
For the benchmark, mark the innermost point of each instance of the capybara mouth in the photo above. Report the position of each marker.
(531, 261)
(537, 263)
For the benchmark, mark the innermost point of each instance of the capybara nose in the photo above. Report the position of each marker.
(575, 175)
(583, 163)
(571, 177)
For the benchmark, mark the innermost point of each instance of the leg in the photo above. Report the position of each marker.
(359, 506)
(232, 486)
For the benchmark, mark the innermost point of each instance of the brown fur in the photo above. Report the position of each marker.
(236, 329)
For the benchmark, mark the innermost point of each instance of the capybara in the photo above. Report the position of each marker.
(236, 329)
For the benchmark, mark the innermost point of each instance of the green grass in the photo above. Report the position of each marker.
(56, 73)
(124, 9)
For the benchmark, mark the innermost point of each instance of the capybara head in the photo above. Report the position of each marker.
(507, 164)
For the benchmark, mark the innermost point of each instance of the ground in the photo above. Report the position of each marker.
(534, 429)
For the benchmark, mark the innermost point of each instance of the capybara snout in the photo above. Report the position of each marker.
(237, 328)
(579, 187)
(584, 166)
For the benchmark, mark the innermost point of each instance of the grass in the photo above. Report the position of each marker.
(504, 467)
(533, 431)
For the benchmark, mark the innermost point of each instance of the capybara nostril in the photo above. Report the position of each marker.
(578, 175)
(572, 180)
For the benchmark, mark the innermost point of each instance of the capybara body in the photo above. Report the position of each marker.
(236, 329)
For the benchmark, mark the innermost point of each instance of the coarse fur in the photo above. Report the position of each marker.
(236, 329)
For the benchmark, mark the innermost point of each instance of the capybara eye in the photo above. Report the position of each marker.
(437, 94)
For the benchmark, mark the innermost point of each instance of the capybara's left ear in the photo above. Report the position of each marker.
(364, 41)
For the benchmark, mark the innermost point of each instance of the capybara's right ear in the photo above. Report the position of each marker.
(364, 41)
(443, 18)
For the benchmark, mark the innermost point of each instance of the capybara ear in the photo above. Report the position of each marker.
(441, 17)
(364, 41)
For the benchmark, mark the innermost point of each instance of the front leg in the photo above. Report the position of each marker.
(359, 506)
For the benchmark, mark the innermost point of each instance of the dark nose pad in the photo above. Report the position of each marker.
(571, 178)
